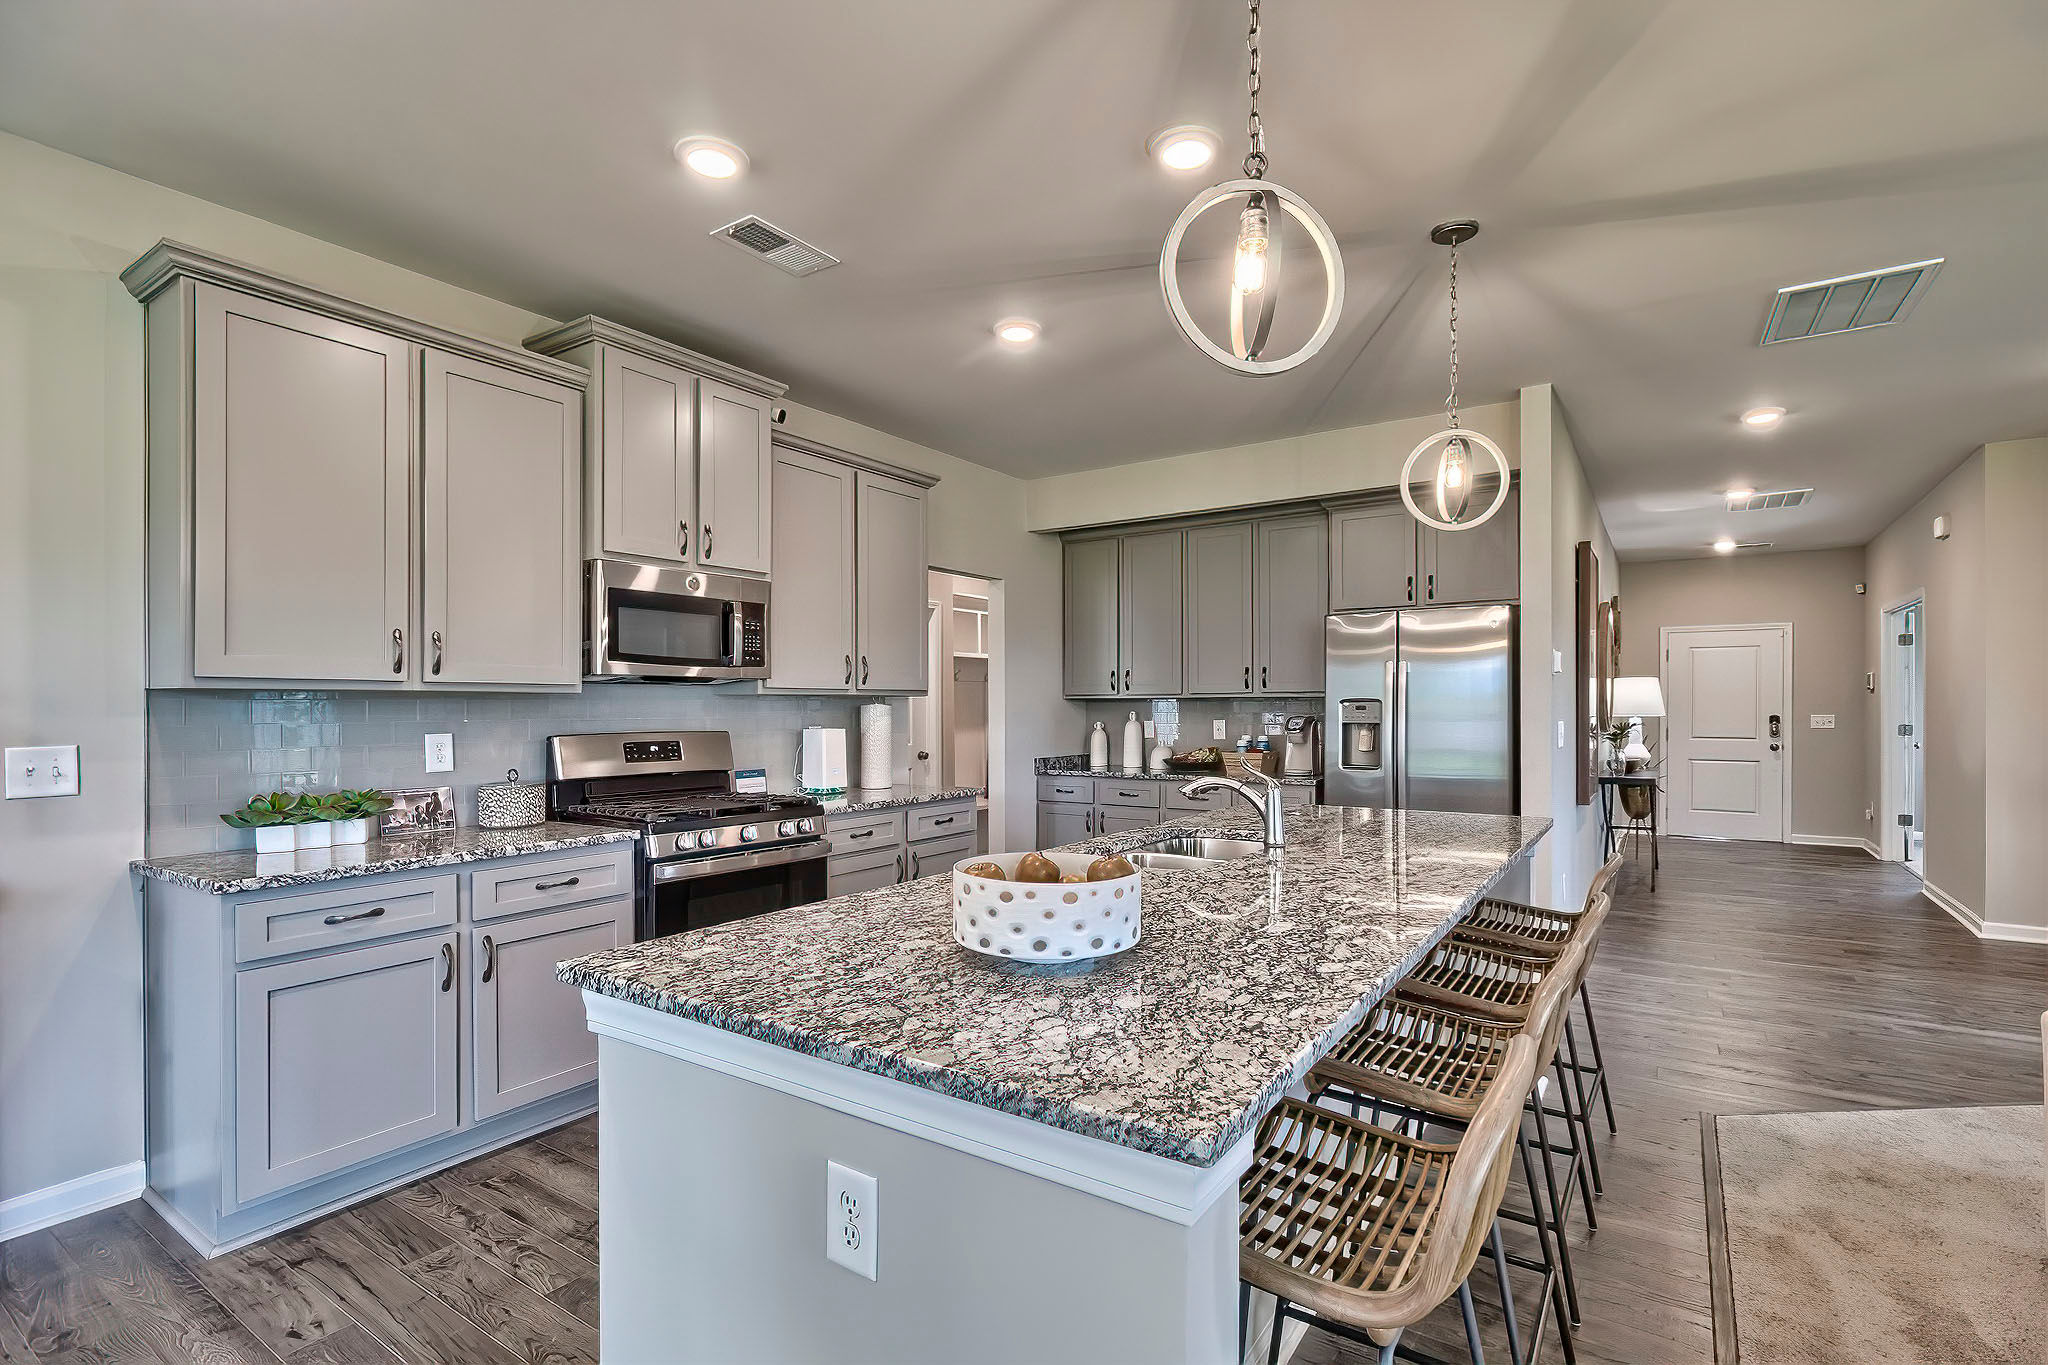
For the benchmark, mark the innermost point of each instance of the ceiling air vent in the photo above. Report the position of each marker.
(1849, 303)
(780, 249)
(1769, 502)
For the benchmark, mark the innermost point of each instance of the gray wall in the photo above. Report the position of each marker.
(2016, 685)
(211, 751)
(1814, 590)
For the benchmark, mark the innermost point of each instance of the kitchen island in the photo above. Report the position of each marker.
(1056, 1151)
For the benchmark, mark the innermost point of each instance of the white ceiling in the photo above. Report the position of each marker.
(1647, 175)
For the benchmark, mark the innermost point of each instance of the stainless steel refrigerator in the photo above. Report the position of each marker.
(1419, 709)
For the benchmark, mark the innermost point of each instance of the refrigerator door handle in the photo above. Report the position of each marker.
(1400, 783)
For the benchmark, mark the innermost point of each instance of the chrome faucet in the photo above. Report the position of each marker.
(1267, 804)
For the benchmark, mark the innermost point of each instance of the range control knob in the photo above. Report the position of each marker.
(807, 826)
(707, 838)
(683, 843)
(786, 828)
(749, 833)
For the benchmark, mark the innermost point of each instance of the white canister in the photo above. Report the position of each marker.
(877, 746)
(1134, 744)
(1098, 748)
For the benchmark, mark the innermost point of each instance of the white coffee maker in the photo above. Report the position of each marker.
(821, 759)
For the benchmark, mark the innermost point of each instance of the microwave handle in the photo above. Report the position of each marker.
(729, 623)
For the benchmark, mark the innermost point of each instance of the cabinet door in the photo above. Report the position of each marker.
(734, 478)
(498, 526)
(889, 584)
(1372, 558)
(1219, 609)
(302, 451)
(1062, 824)
(935, 857)
(1479, 565)
(1111, 821)
(1149, 614)
(865, 872)
(1090, 606)
(341, 1058)
(810, 616)
(1291, 594)
(528, 1032)
(648, 414)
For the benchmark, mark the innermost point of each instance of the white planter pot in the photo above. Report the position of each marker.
(315, 834)
(276, 838)
(357, 831)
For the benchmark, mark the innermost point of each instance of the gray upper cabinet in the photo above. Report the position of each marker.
(1091, 666)
(529, 1036)
(1479, 565)
(498, 525)
(1149, 614)
(640, 448)
(810, 624)
(1372, 557)
(890, 589)
(1219, 613)
(1290, 579)
(301, 451)
(734, 478)
(342, 1057)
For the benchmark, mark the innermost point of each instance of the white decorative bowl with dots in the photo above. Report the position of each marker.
(1047, 922)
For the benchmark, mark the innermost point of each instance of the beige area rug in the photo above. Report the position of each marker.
(1882, 1235)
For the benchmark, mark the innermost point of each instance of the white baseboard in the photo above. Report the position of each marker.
(26, 1213)
(1837, 841)
(1992, 929)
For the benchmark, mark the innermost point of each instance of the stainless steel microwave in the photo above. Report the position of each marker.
(682, 624)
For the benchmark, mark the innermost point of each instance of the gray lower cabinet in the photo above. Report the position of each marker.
(528, 1035)
(1290, 599)
(1089, 609)
(1059, 824)
(1218, 609)
(341, 1058)
(876, 848)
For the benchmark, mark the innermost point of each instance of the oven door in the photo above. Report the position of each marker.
(644, 621)
(692, 893)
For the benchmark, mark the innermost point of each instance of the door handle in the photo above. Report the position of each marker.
(1112, 680)
(1411, 587)
(1774, 748)
(490, 957)
(373, 913)
(437, 653)
(398, 651)
(899, 867)
(863, 670)
(1127, 680)
(1264, 683)
(447, 966)
(1401, 733)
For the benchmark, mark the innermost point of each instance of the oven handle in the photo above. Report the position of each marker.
(689, 869)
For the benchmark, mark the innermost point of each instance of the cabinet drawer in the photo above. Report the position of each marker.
(1063, 788)
(1138, 795)
(862, 833)
(935, 857)
(586, 875)
(346, 914)
(941, 822)
(864, 871)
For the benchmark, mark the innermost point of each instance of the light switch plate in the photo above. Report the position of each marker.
(1557, 661)
(440, 753)
(1560, 734)
(42, 770)
(1821, 722)
(850, 1226)
(1221, 730)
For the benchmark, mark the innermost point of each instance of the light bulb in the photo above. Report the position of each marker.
(1453, 480)
(1249, 274)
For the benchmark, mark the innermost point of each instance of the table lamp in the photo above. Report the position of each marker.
(1636, 698)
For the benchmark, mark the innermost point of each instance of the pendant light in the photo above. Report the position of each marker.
(1455, 446)
(1254, 279)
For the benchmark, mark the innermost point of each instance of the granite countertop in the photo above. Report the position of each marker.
(226, 874)
(1247, 974)
(888, 798)
(1076, 765)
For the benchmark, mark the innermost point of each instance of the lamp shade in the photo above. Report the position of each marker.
(1637, 697)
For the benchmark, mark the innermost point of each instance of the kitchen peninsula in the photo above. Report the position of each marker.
(1055, 1153)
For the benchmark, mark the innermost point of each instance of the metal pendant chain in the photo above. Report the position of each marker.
(1451, 402)
(1255, 159)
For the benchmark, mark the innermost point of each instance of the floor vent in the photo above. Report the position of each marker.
(785, 251)
(1849, 303)
(1769, 502)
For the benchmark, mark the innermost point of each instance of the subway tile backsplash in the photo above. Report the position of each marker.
(1240, 715)
(211, 751)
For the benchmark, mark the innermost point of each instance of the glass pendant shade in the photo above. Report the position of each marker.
(1249, 266)
(1453, 480)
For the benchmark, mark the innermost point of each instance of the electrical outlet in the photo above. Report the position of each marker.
(1221, 730)
(1821, 722)
(440, 753)
(850, 1209)
(43, 770)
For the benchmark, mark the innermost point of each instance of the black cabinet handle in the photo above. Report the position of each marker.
(683, 534)
(863, 670)
(849, 670)
(372, 913)
(1127, 680)
(862, 834)
(1247, 677)
(437, 653)
(1112, 680)
(705, 553)
(490, 957)
(447, 966)
(398, 651)
(1432, 587)
(947, 821)
(556, 886)
(1263, 673)
(1411, 587)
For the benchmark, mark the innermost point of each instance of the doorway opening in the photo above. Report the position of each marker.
(1904, 818)
(950, 723)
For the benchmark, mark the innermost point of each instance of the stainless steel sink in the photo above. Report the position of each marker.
(1187, 852)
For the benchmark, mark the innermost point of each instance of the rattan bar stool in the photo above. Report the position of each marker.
(1364, 1232)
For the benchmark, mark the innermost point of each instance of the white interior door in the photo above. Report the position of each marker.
(1727, 735)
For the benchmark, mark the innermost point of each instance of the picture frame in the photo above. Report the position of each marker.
(417, 810)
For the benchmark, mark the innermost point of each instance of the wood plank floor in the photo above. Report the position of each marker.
(1756, 978)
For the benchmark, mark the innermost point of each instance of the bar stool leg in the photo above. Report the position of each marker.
(1553, 1284)
(1585, 1116)
(1471, 1322)
(1273, 1339)
(1564, 1251)
(1507, 1299)
(1600, 1082)
(1575, 1170)
(1244, 1313)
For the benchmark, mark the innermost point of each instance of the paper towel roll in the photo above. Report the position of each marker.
(877, 745)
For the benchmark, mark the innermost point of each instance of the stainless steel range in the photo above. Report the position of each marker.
(707, 854)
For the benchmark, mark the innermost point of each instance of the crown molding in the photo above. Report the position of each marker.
(555, 340)
(805, 445)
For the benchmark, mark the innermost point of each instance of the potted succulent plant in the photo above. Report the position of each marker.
(359, 810)
(273, 818)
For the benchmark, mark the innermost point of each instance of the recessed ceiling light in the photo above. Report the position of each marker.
(1735, 493)
(712, 157)
(1763, 419)
(1183, 147)
(1724, 546)
(1017, 331)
